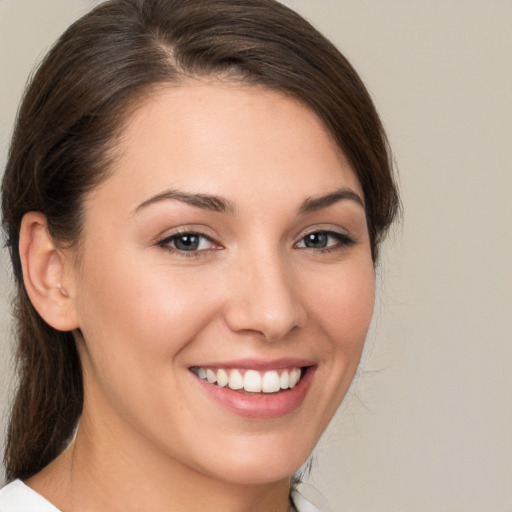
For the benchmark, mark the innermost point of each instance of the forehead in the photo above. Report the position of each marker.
(226, 139)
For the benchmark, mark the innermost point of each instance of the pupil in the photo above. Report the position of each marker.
(316, 240)
(187, 242)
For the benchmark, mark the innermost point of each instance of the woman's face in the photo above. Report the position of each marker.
(229, 244)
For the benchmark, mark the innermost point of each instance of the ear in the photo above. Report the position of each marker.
(47, 274)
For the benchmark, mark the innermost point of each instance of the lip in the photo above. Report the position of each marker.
(259, 364)
(260, 405)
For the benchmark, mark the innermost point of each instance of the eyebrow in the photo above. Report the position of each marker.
(203, 201)
(220, 205)
(312, 204)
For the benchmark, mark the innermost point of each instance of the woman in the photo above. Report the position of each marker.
(194, 200)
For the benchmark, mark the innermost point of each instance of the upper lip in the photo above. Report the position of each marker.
(258, 364)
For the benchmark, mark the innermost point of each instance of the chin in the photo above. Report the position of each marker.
(260, 463)
(259, 472)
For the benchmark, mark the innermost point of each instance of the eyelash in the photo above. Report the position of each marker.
(165, 244)
(342, 241)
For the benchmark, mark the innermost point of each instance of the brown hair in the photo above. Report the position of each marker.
(71, 117)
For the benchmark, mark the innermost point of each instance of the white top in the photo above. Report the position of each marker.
(18, 497)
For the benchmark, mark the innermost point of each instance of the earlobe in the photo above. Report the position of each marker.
(46, 272)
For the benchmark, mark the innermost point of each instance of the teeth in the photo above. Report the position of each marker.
(236, 381)
(294, 377)
(222, 378)
(211, 376)
(251, 381)
(284, 381)
(270, 382)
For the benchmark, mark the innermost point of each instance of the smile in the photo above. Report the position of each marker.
(250, 381)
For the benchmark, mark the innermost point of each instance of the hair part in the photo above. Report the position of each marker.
(66, 137)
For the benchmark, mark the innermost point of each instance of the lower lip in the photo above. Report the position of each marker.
(261, 405)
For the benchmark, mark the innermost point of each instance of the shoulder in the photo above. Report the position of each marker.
(18, 497)
(307, 499)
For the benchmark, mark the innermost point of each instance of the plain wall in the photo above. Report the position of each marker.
(428, 425)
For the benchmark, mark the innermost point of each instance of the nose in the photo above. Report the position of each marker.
(264, 299)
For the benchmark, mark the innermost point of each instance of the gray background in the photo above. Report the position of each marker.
(428, 425)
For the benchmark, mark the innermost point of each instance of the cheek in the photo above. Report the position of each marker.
(137, 320)
(343, 307)
(342, 312)
(137, 317)
(128, 294)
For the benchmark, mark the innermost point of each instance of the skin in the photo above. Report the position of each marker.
(147, 312)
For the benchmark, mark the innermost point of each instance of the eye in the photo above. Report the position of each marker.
(324, 240)
(187, 242)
